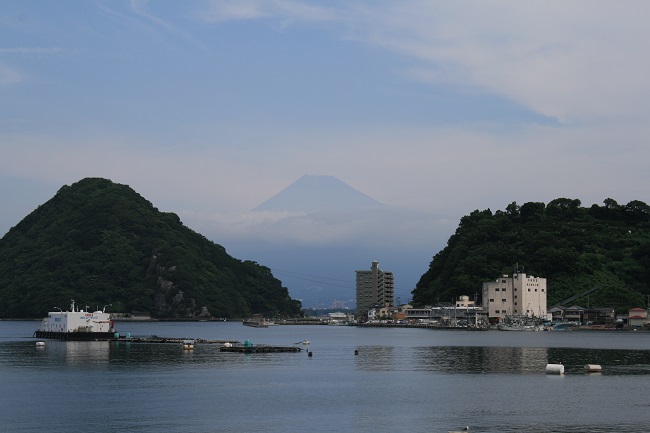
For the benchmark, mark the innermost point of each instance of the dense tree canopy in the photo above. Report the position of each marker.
(573, 247)
(101, 243)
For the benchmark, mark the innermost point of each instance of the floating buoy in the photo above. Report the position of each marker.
(40, 343)
(554, 369)
(309, 353)
(593, 368)
(356, 352)
(227, 344)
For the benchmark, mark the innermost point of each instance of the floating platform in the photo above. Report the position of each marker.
(74, 336)
(259, 349)
(170, 340)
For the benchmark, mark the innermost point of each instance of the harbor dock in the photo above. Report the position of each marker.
(171, 340)
(228, 345)
(259, 348)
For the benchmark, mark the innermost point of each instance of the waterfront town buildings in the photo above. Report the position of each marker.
(461, 313)
(375, 289)
(516, 295)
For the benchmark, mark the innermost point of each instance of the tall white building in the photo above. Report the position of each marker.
(516, 295)
(375, 288)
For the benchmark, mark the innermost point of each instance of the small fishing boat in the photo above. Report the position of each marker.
(256, 322)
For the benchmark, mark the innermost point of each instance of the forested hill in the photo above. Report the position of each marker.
(99, 243)
(573, 247)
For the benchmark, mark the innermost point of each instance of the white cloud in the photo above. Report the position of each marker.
(400, 228)
(225, 10)
(576, 61)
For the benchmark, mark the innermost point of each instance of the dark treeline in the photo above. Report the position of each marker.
(99, 243)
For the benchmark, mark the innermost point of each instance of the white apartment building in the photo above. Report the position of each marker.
(516, 295)
(375, 288)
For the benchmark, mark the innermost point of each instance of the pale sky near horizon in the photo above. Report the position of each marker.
(208, 108)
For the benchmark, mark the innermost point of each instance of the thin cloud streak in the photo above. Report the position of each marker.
(32, 50)
(287, 10)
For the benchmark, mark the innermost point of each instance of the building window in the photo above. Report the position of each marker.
(491, 300)
(503, 290)
(503, 300)
(496, 290)
(496, 311)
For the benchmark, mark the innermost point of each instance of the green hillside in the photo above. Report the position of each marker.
(99, 243)
(573, 247)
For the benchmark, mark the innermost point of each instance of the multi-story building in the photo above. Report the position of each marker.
(375, 288)
(516, 295)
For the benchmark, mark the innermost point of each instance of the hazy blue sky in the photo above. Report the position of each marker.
(208, 108)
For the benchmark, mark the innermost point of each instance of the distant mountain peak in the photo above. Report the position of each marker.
(313, 193)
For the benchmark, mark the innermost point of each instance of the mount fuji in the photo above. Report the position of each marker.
(318, 194)
(315, 233)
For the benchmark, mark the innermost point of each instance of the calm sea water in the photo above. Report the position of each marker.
(402, 380)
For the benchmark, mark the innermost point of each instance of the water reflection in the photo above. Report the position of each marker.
(612, 361)
(482, 359)
(500, 360)
(375, 358)
(104, 354)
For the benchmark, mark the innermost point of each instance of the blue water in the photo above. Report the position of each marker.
(414, 380)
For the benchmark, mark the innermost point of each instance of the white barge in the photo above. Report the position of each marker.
(77, 325)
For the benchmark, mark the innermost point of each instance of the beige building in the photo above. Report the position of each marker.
(464, 302)
(375, 288)
(516, 295)
(637, 317)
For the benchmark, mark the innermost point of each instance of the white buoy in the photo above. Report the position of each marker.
(227, 344)
(554, 369)
(40, 343)
(593, 368)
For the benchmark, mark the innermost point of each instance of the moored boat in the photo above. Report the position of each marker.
(520, 323)
(76, 324)
(518, 327)
(256, 322)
